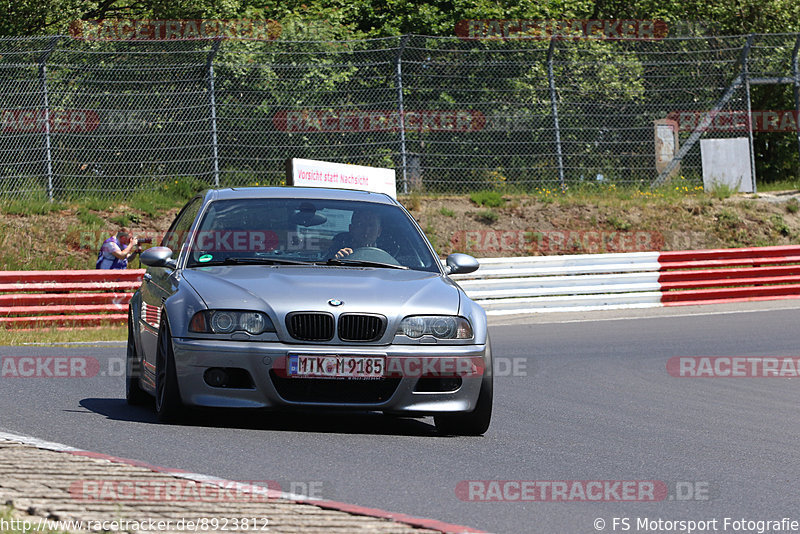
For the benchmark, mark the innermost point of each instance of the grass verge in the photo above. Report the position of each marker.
(68, 335)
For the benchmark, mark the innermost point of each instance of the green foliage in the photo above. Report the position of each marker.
(722, 191)
(126, 219)
(310, 20)
(430, 233)
(447, 212)
(121, 220)
(97, 203)
(152, 205)
(780, 225)
(728, 219)
(37, 205)
(775, 152)
(492, 199)
(779, 185)
(21, 336)
(792, 205)
(182, 188)
(413, 202)
(153, 202)
(89, 219)
(607, 71)
(619, 223)
(487, 216)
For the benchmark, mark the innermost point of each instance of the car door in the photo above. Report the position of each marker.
(161, 282)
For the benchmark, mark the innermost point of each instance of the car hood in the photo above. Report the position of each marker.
(283, 289)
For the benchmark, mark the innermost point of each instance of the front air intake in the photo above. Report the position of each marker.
(360, 327)
(310, 326)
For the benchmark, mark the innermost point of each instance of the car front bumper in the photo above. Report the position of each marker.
(401, 393)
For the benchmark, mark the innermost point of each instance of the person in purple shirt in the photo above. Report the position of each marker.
(112, 255)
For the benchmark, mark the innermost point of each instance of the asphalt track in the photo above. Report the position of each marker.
(591, 401)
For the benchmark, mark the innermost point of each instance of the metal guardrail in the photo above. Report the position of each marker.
(564, 283)
(502, 285)
(633, 280)
(30, 299)
(732, 275)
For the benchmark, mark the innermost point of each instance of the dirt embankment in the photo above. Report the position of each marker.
(525, 226)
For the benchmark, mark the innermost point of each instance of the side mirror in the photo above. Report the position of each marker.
(458, 263)
(158, 257)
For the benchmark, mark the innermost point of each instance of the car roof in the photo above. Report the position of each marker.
(300, 192)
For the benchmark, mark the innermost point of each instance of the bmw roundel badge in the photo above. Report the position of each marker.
(335, 302)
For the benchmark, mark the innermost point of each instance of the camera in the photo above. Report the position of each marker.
(139, 242)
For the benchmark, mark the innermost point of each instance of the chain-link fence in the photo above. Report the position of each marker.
(450, 115)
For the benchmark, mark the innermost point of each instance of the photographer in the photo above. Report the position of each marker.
(112, 255)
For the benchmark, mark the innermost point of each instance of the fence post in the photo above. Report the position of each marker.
(399, 74)
(43, 81)
(554, 106)
(746, 75)
(213, 105)
(796, 74)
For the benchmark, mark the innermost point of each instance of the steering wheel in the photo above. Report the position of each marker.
(372, 254)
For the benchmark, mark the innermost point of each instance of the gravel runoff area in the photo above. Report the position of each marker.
(45, 486)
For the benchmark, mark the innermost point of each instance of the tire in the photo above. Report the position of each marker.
(169, 407)
(134, 394)
(476, 422)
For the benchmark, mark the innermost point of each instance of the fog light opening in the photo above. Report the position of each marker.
(216, 377)
(441, 384)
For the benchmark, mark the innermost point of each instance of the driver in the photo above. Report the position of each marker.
(364, 231)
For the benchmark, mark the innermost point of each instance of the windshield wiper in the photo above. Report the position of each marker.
(361, 263)
(254, 261)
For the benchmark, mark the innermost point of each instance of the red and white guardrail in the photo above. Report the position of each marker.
(31, 299)
(633, 280)
(502, 286)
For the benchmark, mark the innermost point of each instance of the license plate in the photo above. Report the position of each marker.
(336, 366)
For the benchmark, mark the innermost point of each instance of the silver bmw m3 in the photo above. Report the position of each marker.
(285, 297)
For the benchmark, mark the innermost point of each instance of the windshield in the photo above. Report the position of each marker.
(296, 231)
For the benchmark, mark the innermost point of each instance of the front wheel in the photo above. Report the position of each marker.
(169, 406)
(476, 422)
(133, 370)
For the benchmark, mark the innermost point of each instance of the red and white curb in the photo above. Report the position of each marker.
(431, 524)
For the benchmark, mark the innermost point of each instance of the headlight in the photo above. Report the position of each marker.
(227, 321)
(438, 326)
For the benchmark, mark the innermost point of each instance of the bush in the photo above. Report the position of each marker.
(488, 216)
(89, 219)
(491, 199)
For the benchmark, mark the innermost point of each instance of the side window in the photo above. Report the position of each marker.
(179, 230)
